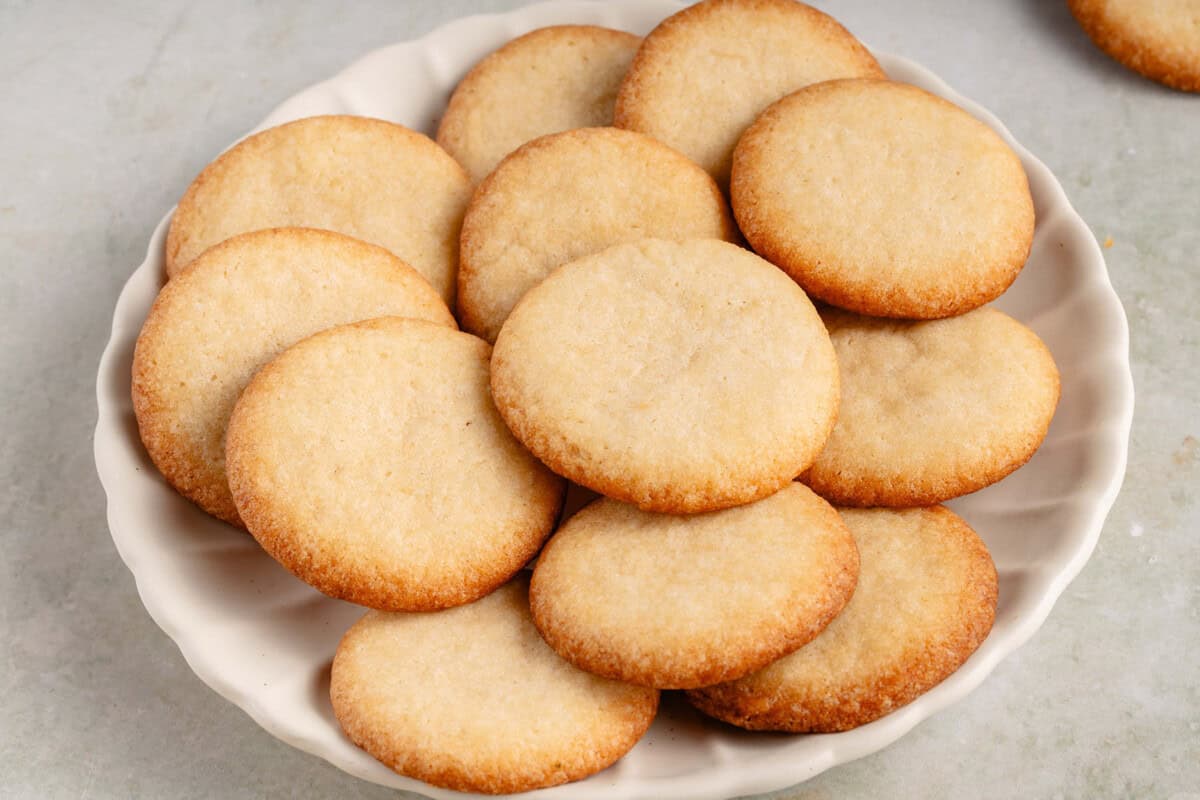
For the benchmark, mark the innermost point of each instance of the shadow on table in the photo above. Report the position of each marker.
(1052, 21)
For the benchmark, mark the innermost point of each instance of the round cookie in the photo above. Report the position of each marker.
(884, 199)
(925, 601)
(370, 179)
(569, 195)
(703, 75)
(677, 602)
(370, 461)
(549, 80)
(233, 310)
(932, 410)
(1158, 38)
(678, 376)
(472, 699)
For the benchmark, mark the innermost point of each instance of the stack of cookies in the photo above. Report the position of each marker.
(631, 234)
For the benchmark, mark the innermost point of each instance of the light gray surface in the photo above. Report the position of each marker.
(109, 110)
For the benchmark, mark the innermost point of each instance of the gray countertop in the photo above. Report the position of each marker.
(111, 109)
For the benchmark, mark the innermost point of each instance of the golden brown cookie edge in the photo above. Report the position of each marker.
(201, 486)
(630, 112)
(452, 124)
(743, 707)
(756, 225)
(470, 312)
(1132, 52)
(584, 654)
(449, 774)
(864, 493)
(273, 528)
(178, 232)
(713, 496)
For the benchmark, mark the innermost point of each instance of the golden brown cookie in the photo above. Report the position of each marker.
(1158, 38)
(678, 376)
(925, 601)
(569, 195)
(369, 460)
(678, 602)
(237, 307)
(884, 199)
(703, 75)
(932, 410)
(549, 80)
(370, 179)
(472, 699)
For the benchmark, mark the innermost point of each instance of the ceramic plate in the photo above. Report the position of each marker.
(264, 640)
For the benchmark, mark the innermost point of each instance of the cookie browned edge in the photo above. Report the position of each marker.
(757, 227)
(631, 88)
(178, 231)
(868, 493)
(159, 440)
(462, 777)
(890, 690)
(1134, 52)
(713, 495)
(468, 313)
(452, 122)
(274, 534)
(591, 657)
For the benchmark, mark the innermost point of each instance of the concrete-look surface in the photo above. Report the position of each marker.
(111, 108)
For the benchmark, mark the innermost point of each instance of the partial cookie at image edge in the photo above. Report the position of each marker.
(1172, 59)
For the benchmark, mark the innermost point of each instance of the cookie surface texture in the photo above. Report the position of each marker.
(237, 307)
(925, 601)
(472, 699)
(366, 178)
(549, 80)
(370, 461)
(884, 199)
(703, 75)
(678, 376)
(1158, 38)
(568, 195)
(932, 410)
(684, 601)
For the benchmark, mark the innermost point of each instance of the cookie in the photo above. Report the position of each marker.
(569, 195)
(472, 699)
(1158, 38)
(233, 310)
(932, 410)
(370, 462)
(549, 80)
(925, 601)
(703, 75)
(370, 179)
(677, 602)
(884, 199)
(678, 376)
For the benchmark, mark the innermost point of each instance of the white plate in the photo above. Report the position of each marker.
(264, 640)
